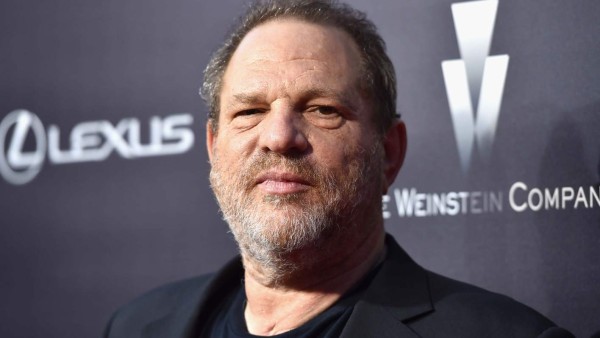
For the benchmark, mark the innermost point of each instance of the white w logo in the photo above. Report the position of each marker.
(475, 80)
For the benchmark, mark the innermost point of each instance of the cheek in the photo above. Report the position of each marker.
(234, 149)
(328, 150)
(350, 144)
(335, 157)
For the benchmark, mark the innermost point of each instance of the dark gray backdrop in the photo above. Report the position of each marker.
(80, 239)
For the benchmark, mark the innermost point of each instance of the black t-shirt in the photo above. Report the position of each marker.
(229, 321)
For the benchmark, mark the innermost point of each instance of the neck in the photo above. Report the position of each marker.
(274, 308)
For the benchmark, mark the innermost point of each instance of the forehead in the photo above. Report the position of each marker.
(293, 50)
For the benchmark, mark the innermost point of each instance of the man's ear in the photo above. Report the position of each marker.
(210, 140)
(394, 146)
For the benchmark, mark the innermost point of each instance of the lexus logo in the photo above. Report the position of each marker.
(89, 141)
(16, 165)
(475, 80)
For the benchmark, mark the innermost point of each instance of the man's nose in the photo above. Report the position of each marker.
(283, 132)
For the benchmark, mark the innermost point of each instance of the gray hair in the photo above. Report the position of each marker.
(378, 78)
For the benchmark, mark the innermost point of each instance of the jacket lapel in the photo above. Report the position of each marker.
(189, 317)
(398, 292)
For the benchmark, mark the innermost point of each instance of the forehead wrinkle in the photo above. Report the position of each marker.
(269, 57)
(285, 75)
(261, 92)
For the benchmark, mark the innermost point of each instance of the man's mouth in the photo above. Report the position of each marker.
(281, 182)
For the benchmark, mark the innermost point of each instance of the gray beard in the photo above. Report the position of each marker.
(270, 238)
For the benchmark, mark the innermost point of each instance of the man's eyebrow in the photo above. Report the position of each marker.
(250, 98)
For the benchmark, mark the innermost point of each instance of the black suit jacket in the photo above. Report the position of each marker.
(403, 300)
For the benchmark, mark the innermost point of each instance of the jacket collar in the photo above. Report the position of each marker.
(398, 292)
(191, 315)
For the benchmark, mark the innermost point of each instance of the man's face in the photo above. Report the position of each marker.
(296, 156)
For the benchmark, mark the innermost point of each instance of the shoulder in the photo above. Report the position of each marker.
(166, 296)
(433, 305)
(460, 307)
(171, 308)
(156, 304)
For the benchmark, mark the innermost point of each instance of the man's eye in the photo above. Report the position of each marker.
(247, 118)
(248, 112)
(324, 116)
(326, 111)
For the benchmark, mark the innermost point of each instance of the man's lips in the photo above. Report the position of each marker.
(278, 182)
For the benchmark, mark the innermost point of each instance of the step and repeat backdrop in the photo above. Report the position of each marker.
(103, 169)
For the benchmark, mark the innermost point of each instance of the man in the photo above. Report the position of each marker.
(303, 141)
